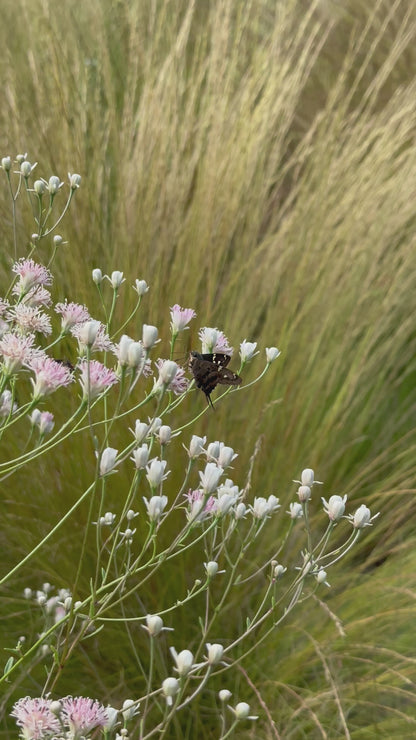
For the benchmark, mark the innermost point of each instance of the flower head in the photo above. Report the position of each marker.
(72, 314)
(184, 661)
(17, 350)
(83, 715)
(200, 506)
(170, 688)
(214, 340)
(92, 334)
(335, 507)
(30, 274)
(95, 378)
(156, 472)
(178, 384)
(35, 718)
(30, 319)
(272, 353)
(180, 318)
(362, 517)
(247, 350)
(210, 477)
(155, 506)
(141, 287)
(108, 460)
(49, 375)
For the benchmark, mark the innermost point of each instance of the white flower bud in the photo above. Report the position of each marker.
(141, 456)
(224, 695)
(247, 350)
(58, 240)
(140, 430)
(25, 169)
(154, 624)
(211, 568)
(210, 477)
(272, 353)
(226, 456)
(362, 517)
(112, 714)
(278, 570)
(39, 187)
(165, 434)
(240, 510)
(27, 593)
(295, 510)
(184, 661)
(74, 181)
(260, 508)
(97, 276)
(123, 349)
(155, 425)
(335, 507)
(129, 709)
(304, 493)
(156, 472)
(321, 576)
(149, 336)
(215, 653)
(170, 688)
(56, 707)
(116, 279)
(88, 332)
(141, 287)
(108, 460)
(135, 354)
(155, 507)
(196, 446)
(54, 184)
(68, 603)
(34, 237)
(242, 711)
(6, 164)
(307, 477)
(213, 451)
(167, 372)
(108, 519)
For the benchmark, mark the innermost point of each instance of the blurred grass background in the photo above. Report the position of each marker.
(255, 161)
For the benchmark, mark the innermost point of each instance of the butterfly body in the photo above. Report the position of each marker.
(210, 370)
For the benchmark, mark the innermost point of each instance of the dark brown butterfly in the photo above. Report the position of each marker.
(209, 370)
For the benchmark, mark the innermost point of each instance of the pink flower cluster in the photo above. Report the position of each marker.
(77, 714)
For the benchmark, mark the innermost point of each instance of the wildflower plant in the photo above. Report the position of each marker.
(115, 382)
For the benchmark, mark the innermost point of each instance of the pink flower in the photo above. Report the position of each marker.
(180, 318)
(72, 314)
(83, 715)
(35, 718)
(36, 296)
(30, 274)
(95, 378)
(50, 375)
(179, 383)
(214, 340)
(101, 342)
(197, 510)
(30, 319)
(17, 351)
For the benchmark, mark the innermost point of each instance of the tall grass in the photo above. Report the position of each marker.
(256, 161)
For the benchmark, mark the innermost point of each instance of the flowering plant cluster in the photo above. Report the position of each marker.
(156, 521)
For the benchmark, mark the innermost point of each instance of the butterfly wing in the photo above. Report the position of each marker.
(227, 377)
(209, 370)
